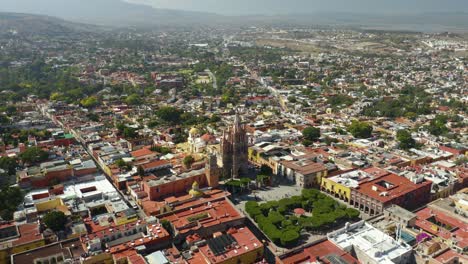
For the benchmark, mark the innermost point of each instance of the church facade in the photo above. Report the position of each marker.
(234, 150)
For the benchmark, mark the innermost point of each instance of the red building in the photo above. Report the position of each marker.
(373, 196)
(321, 252)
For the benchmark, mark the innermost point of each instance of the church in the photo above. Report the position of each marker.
(234, 150)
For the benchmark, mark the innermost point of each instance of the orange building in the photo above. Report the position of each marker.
(205, 218)
(175, 184)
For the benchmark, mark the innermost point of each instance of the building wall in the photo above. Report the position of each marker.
(104, 258)
(83, 172)
(48, 205)
(412, 200)
(174, 187)
(247, 258)
(27, 246)
(333, 187)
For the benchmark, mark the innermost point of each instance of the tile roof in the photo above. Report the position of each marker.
(399, 187)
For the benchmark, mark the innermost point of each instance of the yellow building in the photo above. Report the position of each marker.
(103, 258)
(341, 185)
(267, 154)
(335, 188)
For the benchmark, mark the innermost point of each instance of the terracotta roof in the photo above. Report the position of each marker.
(459, 229)
(141, 152)
(400, 186)
(321, 250)
(28, 233)
(155, 164)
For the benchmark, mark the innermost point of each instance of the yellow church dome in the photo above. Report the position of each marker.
(194, 131)
(195, 191)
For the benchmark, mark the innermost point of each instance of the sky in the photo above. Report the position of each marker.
(243, 7)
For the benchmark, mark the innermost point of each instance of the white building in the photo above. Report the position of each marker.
(371, 245)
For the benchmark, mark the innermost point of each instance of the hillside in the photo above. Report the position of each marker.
(27, 24)
(118, 13)
(108, 12)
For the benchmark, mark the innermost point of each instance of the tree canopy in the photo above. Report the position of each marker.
(133, 99)
(437, 125)
(10, 198)
(405, 139)
(311, 133)
(55, 220)
(188, 161)
(170, 114)
(277, 220)
(360, 129)
(90, 102)
(34, 155)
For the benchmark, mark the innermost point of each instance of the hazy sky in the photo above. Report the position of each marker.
(235, 7)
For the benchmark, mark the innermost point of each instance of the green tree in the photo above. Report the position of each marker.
(90, 102)
(311, 133)
(34, 155)
(292, 99)
(10, 199)
(265, 170)
(352, 213)
(170, 114)
(11, 110)
(437, 125)
(129, 132)
(123, 165)
(168, 226)
(339, 99)
(360, 129)
(289, 238)
(188, 161)
(133, 99)
(4, 120)
(8, 165)
(405, 139)
(55, 220)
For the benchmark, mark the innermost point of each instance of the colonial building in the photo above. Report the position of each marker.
(234, 150)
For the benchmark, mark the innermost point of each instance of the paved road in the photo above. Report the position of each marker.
(213, 78)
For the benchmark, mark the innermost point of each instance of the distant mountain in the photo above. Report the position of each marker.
(119, 13)
(40, 25)
(108, 12)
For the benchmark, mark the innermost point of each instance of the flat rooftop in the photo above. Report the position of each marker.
(73, 190)
(370, 240)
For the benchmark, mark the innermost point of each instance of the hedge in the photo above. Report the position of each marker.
(277, 220)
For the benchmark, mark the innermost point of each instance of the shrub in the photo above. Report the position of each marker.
(197, 217)
(286, 223)
(289, 237)
(275, 217)
(352, 213)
